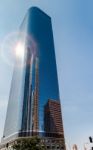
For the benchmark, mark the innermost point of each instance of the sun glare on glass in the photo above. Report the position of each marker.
(19, 50)
(15, 46)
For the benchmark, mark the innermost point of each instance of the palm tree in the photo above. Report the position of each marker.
(33, 143)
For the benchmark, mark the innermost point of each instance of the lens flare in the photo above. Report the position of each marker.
(14, 47)
(19, 50)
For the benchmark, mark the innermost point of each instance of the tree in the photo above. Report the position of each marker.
(33, 143)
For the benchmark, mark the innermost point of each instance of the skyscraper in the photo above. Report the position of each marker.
(34, 79)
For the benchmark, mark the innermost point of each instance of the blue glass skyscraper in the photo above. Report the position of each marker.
(34, 83)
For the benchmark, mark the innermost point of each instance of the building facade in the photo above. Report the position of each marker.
(34, 81)
(53, 119)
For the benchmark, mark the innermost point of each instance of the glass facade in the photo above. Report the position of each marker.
(34, 103)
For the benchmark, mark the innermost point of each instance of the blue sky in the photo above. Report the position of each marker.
(73, 35)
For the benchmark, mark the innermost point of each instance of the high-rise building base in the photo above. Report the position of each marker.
(48, 143)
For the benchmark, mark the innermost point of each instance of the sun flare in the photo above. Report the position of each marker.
(20, 50)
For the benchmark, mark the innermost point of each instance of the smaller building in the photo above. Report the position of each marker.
(75, 147)
(53, 117)
(53, 124)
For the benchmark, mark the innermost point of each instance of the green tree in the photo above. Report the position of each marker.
(33, 143)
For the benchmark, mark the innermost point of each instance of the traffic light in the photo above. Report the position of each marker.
(7, 145)
(90, 138)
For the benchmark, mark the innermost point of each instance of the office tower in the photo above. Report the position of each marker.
(53, 119)
(34, 79)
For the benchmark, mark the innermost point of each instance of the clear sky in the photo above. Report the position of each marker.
(73, 35)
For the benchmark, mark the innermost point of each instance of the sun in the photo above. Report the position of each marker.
(19, 50)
